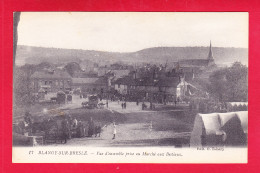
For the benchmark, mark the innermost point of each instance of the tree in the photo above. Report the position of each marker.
(237, 76)
(230, 84)
(218, 84)
(21, 85)
(21, 81)
(72, 67)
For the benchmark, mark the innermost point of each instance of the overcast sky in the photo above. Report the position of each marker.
(127, 32)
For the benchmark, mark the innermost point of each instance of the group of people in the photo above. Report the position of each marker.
(123, 105)
(64, 127)
(71, 126)
(68, 127)
(96, 129)
(93, 129)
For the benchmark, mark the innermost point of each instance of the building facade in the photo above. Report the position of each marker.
(160, 89)
(93, 85)
(50, 81)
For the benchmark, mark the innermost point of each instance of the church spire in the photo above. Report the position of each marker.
(210, 56)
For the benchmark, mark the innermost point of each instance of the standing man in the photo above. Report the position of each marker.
(114, 130)
(74, 123)
(28, 121)
(65, 129)
(70, 125)
(151, 105)
(91, 127)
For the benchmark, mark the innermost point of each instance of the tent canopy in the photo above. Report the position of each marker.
(238, 103)
(230, 127)
(211, 123)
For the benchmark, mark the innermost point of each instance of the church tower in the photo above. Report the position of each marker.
(210, 56)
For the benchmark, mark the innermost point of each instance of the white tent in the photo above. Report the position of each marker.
(238, 103)
(220, 129)
(237, 106)
(243, 116)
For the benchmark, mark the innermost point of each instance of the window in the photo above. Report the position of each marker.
(45, 82)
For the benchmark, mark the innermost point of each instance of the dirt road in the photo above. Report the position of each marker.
(140, 128)
(135, 127)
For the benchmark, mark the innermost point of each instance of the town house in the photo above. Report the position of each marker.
(50, 80)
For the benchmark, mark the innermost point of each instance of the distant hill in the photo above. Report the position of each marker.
(35, 55)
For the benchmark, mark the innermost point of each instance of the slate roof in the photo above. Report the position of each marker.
(194, 62)
(102, 81)
(161, 82)
(126, 80)
(168, 82)
(84, 80)
(57, 74)
(93, 80)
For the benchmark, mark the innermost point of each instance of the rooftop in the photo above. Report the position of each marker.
(84, 80)
(50, 74)
(148, 81)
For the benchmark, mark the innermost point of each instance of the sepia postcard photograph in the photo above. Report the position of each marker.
(130, 87)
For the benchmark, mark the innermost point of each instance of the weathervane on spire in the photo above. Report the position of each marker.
(210, 56)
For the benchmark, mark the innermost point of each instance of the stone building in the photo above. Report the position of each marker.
(94, 85)
(50, 81)
(153, 88)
